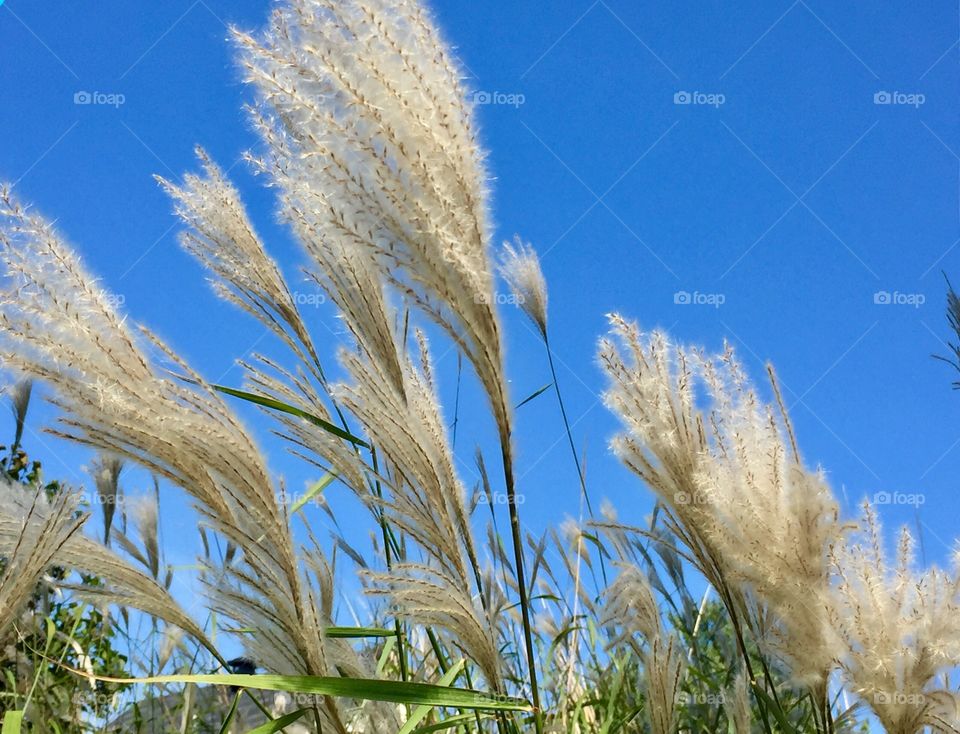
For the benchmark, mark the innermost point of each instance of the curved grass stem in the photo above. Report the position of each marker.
(507, 456)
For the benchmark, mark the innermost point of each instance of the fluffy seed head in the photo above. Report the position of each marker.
(752, 517)
(372, 144)
(520, 267)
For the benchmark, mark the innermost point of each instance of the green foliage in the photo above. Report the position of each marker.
(55, 632)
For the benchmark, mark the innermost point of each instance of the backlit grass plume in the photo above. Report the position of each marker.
(394, 403)
(32, 546)
(367, 96)
(59, 327)
(37, 532)
(370, 140)
(520, 267)
(633, 610)
(222, 237)
(900, 629)
(754, 521)
(427, 503)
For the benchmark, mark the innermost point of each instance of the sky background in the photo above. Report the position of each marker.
(801, 205)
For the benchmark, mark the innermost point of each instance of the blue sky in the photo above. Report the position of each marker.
(791, 170)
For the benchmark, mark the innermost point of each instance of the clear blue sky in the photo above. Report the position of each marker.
(794, 198)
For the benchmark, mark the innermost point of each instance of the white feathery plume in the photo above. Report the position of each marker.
(732, 485)
(737, 704)
(26, 513)
(342, 267)
(310, 442)
(520, 267)
(171, 641)
(223, 239)
(371, 144)
(900, 629)
(427, 502)
(105, 471)
(59, 328)
(632, 608)
(146, 514)
(34, 539)
(361, 103)
(330, 199)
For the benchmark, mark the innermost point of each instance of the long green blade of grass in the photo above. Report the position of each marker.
(12, 721)
(421, 712)
(291, 410)
(533, 395)
(448, 723)
(325, 481)
(385, 655)
(277, 724)
(337, 633)
(361, 688)
(777, 711)
(225, 726)
(357, 632)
